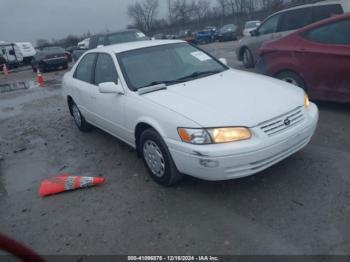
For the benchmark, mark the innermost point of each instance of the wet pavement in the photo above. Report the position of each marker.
(299, 206)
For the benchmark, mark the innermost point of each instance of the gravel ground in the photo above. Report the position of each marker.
(299, 206)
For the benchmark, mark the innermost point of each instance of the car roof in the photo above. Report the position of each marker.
(327, 2)
(116, 32)
(123, 47)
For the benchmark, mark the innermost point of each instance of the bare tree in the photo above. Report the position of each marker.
(144, 14)
(181, 11)
(272, 5)
(201, 10)
(222, 6)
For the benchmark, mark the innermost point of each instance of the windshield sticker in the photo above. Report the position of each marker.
(201, 56)
(139, 34)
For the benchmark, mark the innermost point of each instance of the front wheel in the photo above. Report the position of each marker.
(292, 78)
(79, 118)
(157, 159)
(248, 60)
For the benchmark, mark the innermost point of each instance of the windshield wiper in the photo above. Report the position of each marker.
(159, 85)
(165, 82)
(198, 74)
(151, 88)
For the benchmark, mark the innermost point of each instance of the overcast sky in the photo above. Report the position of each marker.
(30, 20)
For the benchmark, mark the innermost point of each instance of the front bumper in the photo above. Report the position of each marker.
(244, 158)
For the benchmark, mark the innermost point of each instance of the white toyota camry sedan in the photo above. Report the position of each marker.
(186, 112)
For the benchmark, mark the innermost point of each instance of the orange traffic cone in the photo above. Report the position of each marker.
(66, 182)
(40, 78)
(5, 70)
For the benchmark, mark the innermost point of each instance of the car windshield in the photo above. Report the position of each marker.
(168, 64)
(228, 28)
(252, 24)
(124, 37)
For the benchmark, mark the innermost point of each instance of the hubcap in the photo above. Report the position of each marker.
(290, 80)
(76, 115)
(246, 57)
(154, 158)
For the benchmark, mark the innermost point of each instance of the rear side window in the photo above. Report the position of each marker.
(269, 26)
(295, 19)
(324, 11)
(335, 33)
(84, 69)
(105, 70)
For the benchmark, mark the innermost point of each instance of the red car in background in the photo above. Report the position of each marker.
(316, 58)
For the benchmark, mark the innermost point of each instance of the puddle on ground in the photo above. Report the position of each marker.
(5, 88)
(11, 103)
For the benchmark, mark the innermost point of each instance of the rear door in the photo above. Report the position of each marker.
(84, 88)
(293, 20)
(325, 57)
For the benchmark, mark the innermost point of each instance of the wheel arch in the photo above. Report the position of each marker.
(140, 127)
(287, 69)
(241, 51)
(70, 101)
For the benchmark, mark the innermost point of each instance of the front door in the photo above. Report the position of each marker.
(109, 108)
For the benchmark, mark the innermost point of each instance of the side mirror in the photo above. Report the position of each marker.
(223, 60)
(254, 32)
(11, 52)
(110, 88)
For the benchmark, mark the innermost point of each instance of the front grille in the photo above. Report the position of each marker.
(284, 122)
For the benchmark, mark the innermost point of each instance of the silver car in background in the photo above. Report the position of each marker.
(285, 22)
(250, 26)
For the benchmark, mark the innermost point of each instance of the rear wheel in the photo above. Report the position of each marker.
(292, 78)
(248, 60)
(79, 118)
(157, 159)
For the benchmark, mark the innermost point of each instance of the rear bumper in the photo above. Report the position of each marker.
(245, 158)
(55, 63)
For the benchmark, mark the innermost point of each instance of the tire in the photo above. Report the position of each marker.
(292, 78)
(79, 118)
(42, 68)
(247, 58)
(157, 159)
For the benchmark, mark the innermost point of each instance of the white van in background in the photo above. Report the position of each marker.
(11, 54)
(84, 44)
(27, 50)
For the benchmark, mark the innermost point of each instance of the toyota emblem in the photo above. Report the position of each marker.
(287, 122)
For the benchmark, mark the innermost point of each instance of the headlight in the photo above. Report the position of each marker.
(194, 136)
(306, 101)
(214, 135)
(229, 134)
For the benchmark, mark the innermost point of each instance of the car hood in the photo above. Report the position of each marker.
(232, 98)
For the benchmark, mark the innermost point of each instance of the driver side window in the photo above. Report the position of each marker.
(105, 70)
(270, 25)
